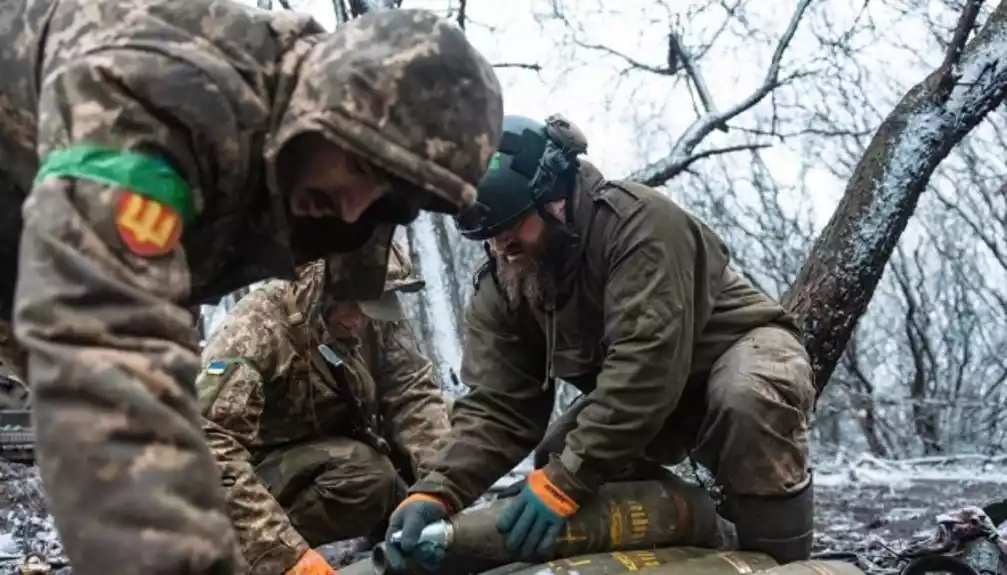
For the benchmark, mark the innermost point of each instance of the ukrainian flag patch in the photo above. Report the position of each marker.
(217, 367)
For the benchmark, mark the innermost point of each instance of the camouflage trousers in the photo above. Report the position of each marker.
(748, 424)
(333, 488)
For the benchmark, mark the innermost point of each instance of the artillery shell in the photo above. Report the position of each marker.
(616, 561)
(362, 567)
(815, 567)
(624, 515)
(719, 563)
(452, 564)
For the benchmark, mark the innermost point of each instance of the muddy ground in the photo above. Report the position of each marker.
(861, 504)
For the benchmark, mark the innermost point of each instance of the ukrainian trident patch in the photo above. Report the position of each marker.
(148, 228)
(153, 201)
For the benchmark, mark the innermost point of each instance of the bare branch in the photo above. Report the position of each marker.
(462, 5)
(677, 53)
(687, 162)
(963, 30)
(342, 13)
(662, 70)
(533, 67)
(663, 170)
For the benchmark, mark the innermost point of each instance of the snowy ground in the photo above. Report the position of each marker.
(869, 502)
(862, 503)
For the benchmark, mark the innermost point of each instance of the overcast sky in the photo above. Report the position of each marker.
(634, 119)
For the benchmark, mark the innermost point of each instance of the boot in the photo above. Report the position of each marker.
(781, 527)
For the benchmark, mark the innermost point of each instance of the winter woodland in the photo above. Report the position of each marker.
(851, 152)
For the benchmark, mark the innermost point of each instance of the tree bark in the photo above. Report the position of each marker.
(838, 280)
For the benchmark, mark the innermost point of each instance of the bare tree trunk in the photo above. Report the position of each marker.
(423, 315)
(861, 392)
(453, 278)
(838, 280)
(925, 417)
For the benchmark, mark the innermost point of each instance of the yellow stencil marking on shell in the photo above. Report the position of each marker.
(645, 558)
(627, 561)
(615, 526)
(639, 521)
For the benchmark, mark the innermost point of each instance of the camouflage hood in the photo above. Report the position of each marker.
(322, 278)
(405, 90)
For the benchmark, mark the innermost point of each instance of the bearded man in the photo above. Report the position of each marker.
(613, 287)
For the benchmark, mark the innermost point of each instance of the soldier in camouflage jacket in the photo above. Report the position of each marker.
(305, 438)
(157, 154)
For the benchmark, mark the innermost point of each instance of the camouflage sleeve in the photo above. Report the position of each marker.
(240, 359)
(505, 413)
(412, 405)
(651, 262)
(129, 478)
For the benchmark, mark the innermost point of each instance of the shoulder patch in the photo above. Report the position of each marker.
(148, 227)
(214, 376)
(221, 367)
(216, 367)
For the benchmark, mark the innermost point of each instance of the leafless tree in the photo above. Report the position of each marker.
(889, 173)
(914, 369)
(834, 287)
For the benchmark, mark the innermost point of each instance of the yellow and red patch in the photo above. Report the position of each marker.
(147, 227)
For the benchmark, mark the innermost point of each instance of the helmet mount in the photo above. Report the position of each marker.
(535, 164)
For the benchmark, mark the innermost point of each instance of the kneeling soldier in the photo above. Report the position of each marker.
(319, 415)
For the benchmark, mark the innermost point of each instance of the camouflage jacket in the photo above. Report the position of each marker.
(646, 305)
(143, 143)
(265, 385)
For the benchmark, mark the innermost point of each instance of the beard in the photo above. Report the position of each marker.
(527, 279)
(533, 276)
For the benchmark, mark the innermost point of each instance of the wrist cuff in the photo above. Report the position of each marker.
(571, 461)
(568, 481)
(438, 486)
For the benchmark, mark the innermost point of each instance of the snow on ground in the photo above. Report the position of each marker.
(865, 501)
(25, 524)
(861, 501)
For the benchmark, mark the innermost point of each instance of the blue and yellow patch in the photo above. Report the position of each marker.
(217, 367)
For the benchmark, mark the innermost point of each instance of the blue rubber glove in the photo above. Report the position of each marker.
(534, 519)
(410, 517)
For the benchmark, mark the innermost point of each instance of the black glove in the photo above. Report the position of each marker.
(512, 489)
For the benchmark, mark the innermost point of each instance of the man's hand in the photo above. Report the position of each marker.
(311, 563)
(410, 517)
(533, 520)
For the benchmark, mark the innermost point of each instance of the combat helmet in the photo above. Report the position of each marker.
(536, 164)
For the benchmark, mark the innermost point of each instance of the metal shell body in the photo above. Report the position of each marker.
(624, 516)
